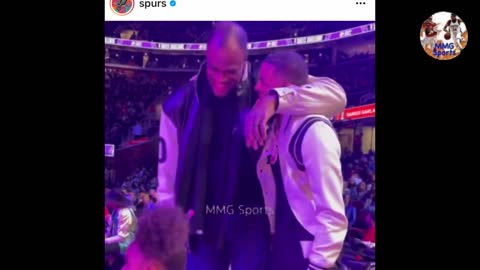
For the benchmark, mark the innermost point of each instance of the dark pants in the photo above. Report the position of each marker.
(246, 248)
(286, 253)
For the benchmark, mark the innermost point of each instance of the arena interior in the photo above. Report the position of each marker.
(147, 61)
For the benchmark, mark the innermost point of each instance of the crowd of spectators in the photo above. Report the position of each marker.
(198, 32)
(130, 99)
(359, 196)
(129, 95)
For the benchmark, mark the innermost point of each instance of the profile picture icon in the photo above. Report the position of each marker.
(122, 7)
(443, 35)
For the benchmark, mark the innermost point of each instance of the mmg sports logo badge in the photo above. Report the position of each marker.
(122, 7)
(443, 35)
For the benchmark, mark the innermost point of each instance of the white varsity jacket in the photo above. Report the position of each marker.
(309, 159)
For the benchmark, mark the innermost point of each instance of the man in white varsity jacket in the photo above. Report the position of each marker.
(204, 164)
(301, 175)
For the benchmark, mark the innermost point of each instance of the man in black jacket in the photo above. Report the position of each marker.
(204, 163)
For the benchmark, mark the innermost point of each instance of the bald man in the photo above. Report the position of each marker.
(204, 164)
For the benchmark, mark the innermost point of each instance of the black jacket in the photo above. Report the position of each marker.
(188, 113)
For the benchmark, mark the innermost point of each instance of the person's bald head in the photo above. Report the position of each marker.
(226, 57)
(228, 34)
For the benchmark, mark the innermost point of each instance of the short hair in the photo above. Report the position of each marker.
(290, 65)
(162, 236)
(223, 32)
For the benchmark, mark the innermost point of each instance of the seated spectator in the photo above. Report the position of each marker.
(371, 163)
(371, 231)
(144, 203)
(368, 200)
(128, 183)
(362, 223)
(160, 243)
(350, 211)
(153, 195)
(109, 177)
(355, 178)
(122, 228)
(138, 131)
(152, 183)
(363, 160)
(108, 220)
(369, 187)
(362, 191)
(365, 229)
(371, 207)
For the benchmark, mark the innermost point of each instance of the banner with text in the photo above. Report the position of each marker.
(365, 111)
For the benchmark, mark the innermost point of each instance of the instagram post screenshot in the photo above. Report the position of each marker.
(239, 136)
(244, 135)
